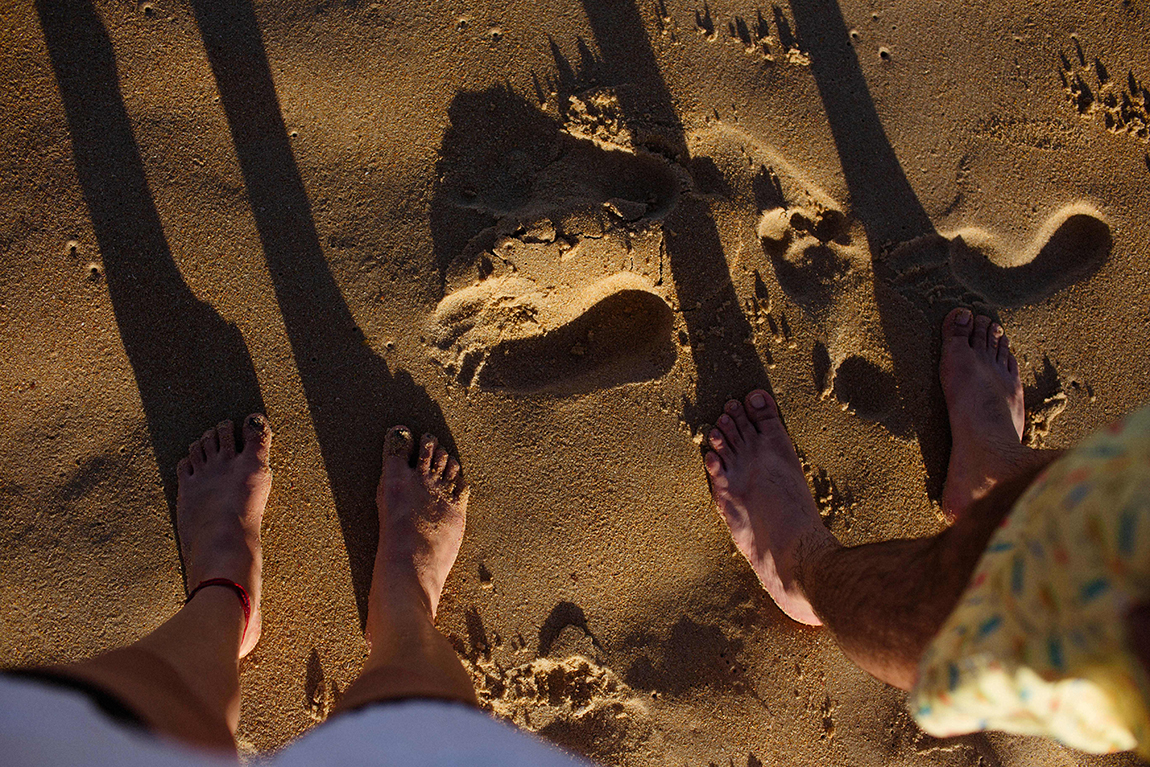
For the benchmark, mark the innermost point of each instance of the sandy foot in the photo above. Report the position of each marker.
(422, 512)
(220, 505)
(984, 401)
(759, 487)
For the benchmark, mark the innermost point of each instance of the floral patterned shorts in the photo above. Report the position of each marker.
(1037, 643)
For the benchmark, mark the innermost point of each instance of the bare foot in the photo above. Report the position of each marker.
(422, 512)
(221, 502)
(759, 487)
(984, 401)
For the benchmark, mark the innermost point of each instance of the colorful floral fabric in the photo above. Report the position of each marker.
(1037, 645)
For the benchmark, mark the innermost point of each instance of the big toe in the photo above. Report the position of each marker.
(398, 448)
(257, 438)
(957, 325)
(761, 408)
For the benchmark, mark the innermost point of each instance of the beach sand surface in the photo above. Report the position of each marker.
(559, 236)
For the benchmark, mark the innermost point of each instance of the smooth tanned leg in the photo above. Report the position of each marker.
(182, 680)
(422, 512)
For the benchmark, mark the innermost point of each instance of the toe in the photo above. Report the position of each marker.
(981, 332)
(452, 470)
(257, 438)
(211, 443)
(1011, 363)
(227, 436)
(713, 464)
(184, 468)
(720, 445)
(426, 453)
(1003, 350)
(439, 463)
(730, 431)
(994, 336)
(957, 324)
(761, 408)
(196, 454)
(462, 490)
(398, 443)
(739, 413)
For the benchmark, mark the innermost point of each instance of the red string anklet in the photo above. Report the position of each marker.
(241, 592)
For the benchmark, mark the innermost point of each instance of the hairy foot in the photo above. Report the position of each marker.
(984, 401)
(422, 511)
(761, 491)
(222, 494)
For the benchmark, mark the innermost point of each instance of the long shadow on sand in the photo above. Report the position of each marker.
(905, 244)
(890, 212)
(694, 252)
(352, 395)
(191, 366)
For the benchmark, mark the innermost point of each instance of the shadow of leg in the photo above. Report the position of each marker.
(192, 367)
(351, 394)
(716, 326)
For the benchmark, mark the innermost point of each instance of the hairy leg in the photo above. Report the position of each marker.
(884, 602)
(182, 680)
(422, 512)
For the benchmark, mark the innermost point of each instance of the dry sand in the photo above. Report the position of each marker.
(559, 236)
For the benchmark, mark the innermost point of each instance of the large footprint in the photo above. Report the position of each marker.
(822, 261)
(559, 284)
(971, 266)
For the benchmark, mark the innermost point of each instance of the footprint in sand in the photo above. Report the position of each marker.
(823, 262)
(565, 693)
(559, 286)
(1121, 104)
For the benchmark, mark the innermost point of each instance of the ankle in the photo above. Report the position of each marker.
(812, 553)
(397, 588)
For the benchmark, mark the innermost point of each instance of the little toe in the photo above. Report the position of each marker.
(1011, 363)
(761, 408)
(184, 468)
(981, 330)
(452, 470)
(462, 490)
(730, 431)
(257, 438)
(226, 433)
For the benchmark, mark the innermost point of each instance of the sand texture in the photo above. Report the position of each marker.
(559, 236)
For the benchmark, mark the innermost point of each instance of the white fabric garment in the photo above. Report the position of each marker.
(42, 726)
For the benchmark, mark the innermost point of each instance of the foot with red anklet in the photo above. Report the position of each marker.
(222, 494)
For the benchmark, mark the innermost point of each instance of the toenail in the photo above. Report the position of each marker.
(732, 406)
(725, 420)
(257, 422)
(963, 317)
(758, 400)
(997, 330)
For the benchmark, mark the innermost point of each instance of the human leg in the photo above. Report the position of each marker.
(182, 680)
(882, 601)
(422, 512)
